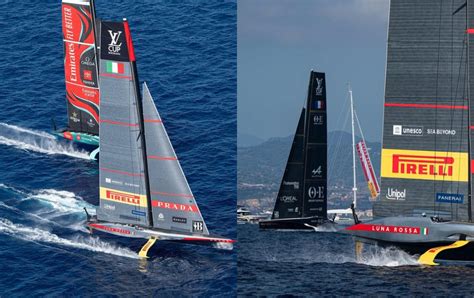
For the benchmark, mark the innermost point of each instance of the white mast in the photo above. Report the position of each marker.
(354, 188)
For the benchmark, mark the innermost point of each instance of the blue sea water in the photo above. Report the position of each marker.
(313, 264)
(186, 52)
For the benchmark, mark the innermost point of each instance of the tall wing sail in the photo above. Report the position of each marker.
(122, 182)
(80, 65)
(289, 201)
(424, 165)
(315, 160)
(173, 204)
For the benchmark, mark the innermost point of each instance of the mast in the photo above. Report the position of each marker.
(469, 186)
(354, 187)
(141, 121)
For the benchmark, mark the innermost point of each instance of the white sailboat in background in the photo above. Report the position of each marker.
(346, 216)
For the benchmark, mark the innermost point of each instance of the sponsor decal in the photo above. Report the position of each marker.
(439, 131)
(108, 207)
(407, 130)
(115, 67)
(123, 197)
(139, 213)
(319, 86)
(295, 184)
(288, 199)
(395, 194)
(198, 226)
(276, 214)
(127, 217)
(424, 165)
(389, 229)
(111, 181)
(179, 219)
(314, 192)
(87, 74)
(316, 172)
(74, 118)
(174, 206)
(114, 46)
(161, 216)
(318, 119)
(111, 229)
(449, 198)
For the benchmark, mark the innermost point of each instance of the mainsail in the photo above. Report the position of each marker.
(302, 191)
(80, 65)
(425, 135)
(141, 181)
(315, 149)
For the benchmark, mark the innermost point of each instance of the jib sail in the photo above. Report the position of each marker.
(123, 193)
(80, 65)
(368, 170)
(425, 135)
(172, 201)
(289, 201)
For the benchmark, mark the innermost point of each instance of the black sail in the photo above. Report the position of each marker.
(315, 149)
(425, 159)
(289, 201)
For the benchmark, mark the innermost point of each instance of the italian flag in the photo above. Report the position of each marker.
(424, 231)
(115, 67)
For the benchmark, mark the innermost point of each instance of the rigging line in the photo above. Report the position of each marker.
(338, 148)
(335, 147)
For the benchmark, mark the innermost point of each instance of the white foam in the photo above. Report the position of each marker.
(48, 146)
(28, 131)
(36, 141)
(38, 235)
(387, 257)
(223, 245)
(61, 201)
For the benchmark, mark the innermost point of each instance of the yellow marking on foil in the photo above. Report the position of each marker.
(428, 257)
(359, 246)
(144, 251)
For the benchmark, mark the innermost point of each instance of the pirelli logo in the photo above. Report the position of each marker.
(123, 197)
(425, 165)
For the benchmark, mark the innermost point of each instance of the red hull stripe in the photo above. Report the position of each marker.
(472, 166)
(118, 123)
(470, 31)
(110, 229)
(121, 172)
(115, 76)
(153, 121)
(171, 194)
(209, 239)
(162, 157)
(425, 106)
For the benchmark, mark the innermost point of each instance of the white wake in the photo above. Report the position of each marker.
(38, 235)
(36, 141)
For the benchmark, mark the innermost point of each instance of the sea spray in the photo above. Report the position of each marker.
(39, 235)
(36, 141)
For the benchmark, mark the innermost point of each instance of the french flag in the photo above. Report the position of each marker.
(318, 105)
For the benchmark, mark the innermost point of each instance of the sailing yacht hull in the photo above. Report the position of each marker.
(416, 235)
(307, 223)
(84, 141)
(140, 234)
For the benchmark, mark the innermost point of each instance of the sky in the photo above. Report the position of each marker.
(280, 41)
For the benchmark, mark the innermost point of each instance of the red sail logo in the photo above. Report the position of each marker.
(422, 165)
(123, 197)
(174, 206)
